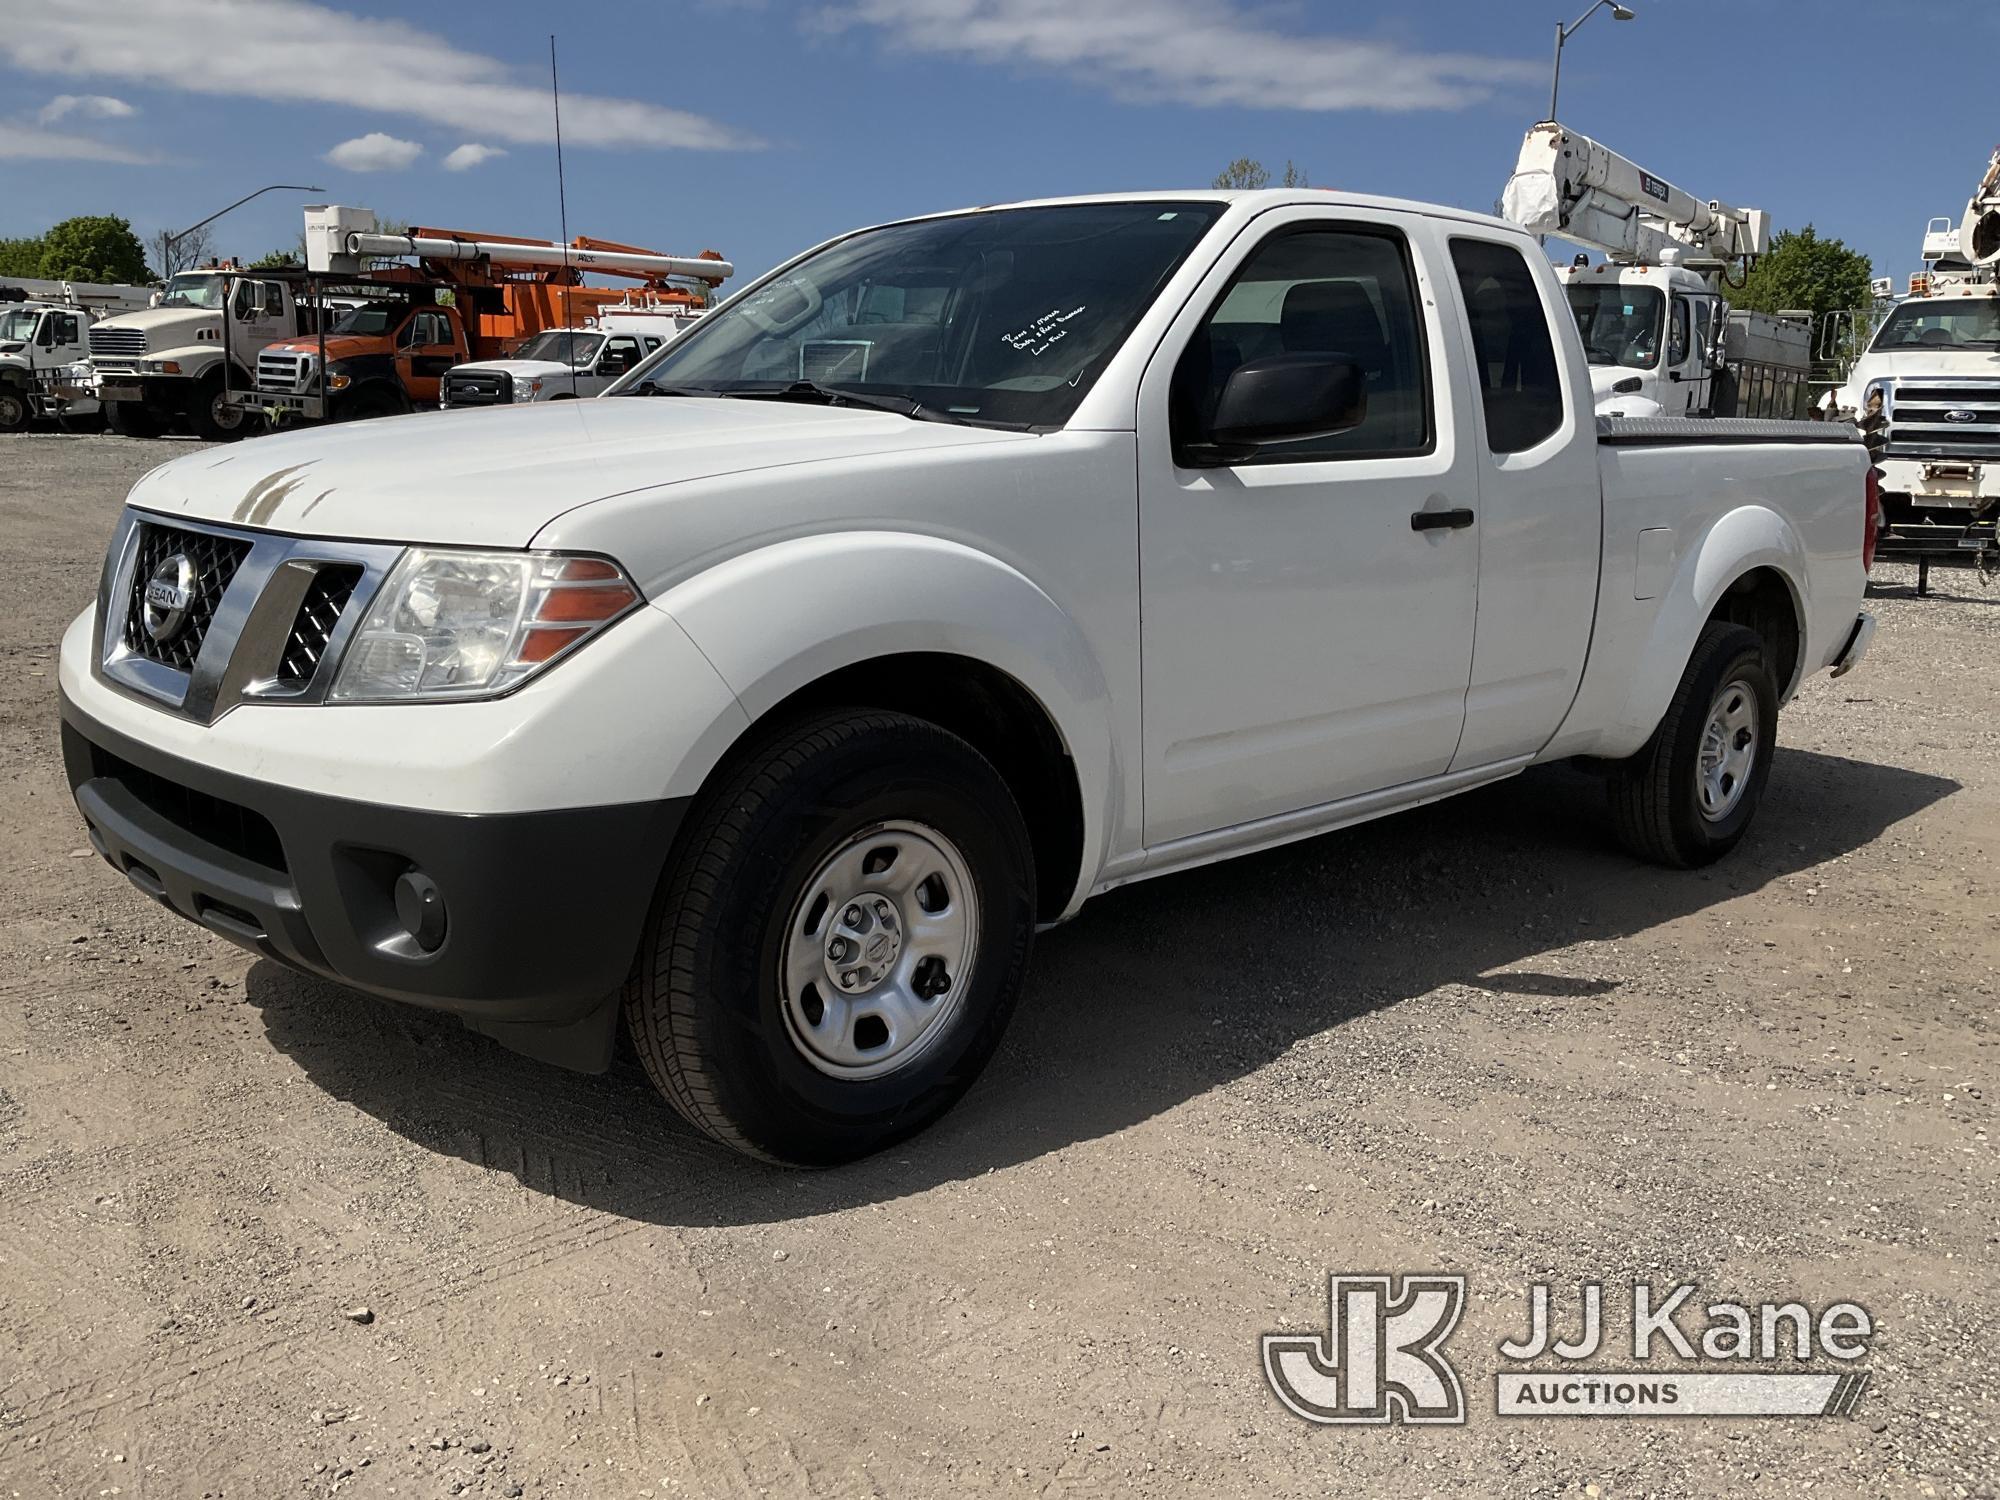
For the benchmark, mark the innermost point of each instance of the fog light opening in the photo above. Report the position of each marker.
(420, 908)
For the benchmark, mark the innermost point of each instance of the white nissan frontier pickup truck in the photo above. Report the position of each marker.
(958, 570)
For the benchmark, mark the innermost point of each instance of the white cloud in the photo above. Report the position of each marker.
(1199, 52)
(470, 155)
(374, 152)
(95, 106)
(294, 51)
(22, 140)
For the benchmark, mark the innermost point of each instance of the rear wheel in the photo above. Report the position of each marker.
(132, 419)
(839, 941)
(1688, 796)
(15, 410)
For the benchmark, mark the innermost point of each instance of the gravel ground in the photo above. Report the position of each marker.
(1472, 1039)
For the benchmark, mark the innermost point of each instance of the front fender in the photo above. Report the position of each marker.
(776, 620)
(1738, 542)
(195, 360)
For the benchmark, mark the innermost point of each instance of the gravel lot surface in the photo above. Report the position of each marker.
(1473, 1039)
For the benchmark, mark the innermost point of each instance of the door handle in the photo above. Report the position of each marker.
(1440, 520)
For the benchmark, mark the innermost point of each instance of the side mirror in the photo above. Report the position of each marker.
(1284, 398)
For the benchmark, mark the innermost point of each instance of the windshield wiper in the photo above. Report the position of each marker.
(836, 395)
(647, 388)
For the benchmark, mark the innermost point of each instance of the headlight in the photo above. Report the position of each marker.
(449, 624)
(527, 390)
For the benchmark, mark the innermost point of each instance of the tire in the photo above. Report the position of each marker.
(211, 420)
(16, 410)
(1680, 801)
(759, 885)
(132, 419)
(372, 401)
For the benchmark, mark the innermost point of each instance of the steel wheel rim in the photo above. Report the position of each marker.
(226, 417)
(1728, 753)
(878, 951)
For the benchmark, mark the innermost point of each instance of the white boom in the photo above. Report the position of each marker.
(338, 239)
(1569, 185)
(1979, 233)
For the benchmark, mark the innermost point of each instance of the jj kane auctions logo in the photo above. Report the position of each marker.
(1382, 1357)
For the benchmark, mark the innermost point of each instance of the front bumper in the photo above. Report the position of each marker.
(543, 910)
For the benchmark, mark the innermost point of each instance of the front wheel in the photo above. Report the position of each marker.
(15, 410)
(132, 419)
(214, 416)
(1688, 796)
(839, 940)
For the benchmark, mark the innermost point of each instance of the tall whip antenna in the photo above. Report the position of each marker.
(562, 210)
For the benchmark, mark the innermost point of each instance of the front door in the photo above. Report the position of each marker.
(426, 346)
(1307, 613)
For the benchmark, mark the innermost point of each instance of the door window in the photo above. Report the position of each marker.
(426, 331)
(1677, 334)
(1348, 291)
(1520, 386)
(66, 328)
(620, 354)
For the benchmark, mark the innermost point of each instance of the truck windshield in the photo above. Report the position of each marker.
(1620, 324)
(1970, 323)
(19, 325)
(562, 348)
(193, 291)
(1004, 317)
(375, 318)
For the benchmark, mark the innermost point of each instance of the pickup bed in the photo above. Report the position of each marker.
(957, 571)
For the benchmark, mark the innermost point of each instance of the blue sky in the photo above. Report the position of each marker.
(756, 127)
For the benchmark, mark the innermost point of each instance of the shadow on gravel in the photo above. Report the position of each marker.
(1156, 994)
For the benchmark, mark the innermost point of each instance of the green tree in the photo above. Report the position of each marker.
(273, 259)
(1246, 172)
(21, 257)
(1804, 270)
(94, 247)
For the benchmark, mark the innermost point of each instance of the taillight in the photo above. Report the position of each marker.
(1871, 526)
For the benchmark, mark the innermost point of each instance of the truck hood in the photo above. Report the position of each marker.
(346, 346)
(522, 369)
(495, 477)
(1918, 364)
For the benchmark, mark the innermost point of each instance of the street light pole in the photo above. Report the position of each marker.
(1564, 33)
(276, 187)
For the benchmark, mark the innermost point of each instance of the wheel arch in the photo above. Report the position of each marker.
(936, 629)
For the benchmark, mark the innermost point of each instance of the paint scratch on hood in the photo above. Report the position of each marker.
(268, 493)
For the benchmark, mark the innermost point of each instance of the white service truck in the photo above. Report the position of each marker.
(44, 328)
(1103, 538)
(153, 367)
(1660, 336)
(565, 364)
(1928, 391)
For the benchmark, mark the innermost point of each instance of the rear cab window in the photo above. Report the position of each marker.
(1514, 354)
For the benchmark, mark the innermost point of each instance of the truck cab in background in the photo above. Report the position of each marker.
(38, 343)
(1662, 341)
(382, 357)
(565, 364)
(168, 361)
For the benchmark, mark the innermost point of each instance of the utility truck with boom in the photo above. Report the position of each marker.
(451, 298)
(1928, 392)
(1660, 336)
(956, 571)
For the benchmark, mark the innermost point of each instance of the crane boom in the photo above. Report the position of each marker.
(340, 239)
(1979, 232)
(1567, 184)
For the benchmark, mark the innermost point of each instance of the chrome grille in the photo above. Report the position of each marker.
(214, 559)
(1950, 419)
(478, 388)
(117, 343)
(284, 374)
(319, 612)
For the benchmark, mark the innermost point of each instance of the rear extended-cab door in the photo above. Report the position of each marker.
(1541, 518)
